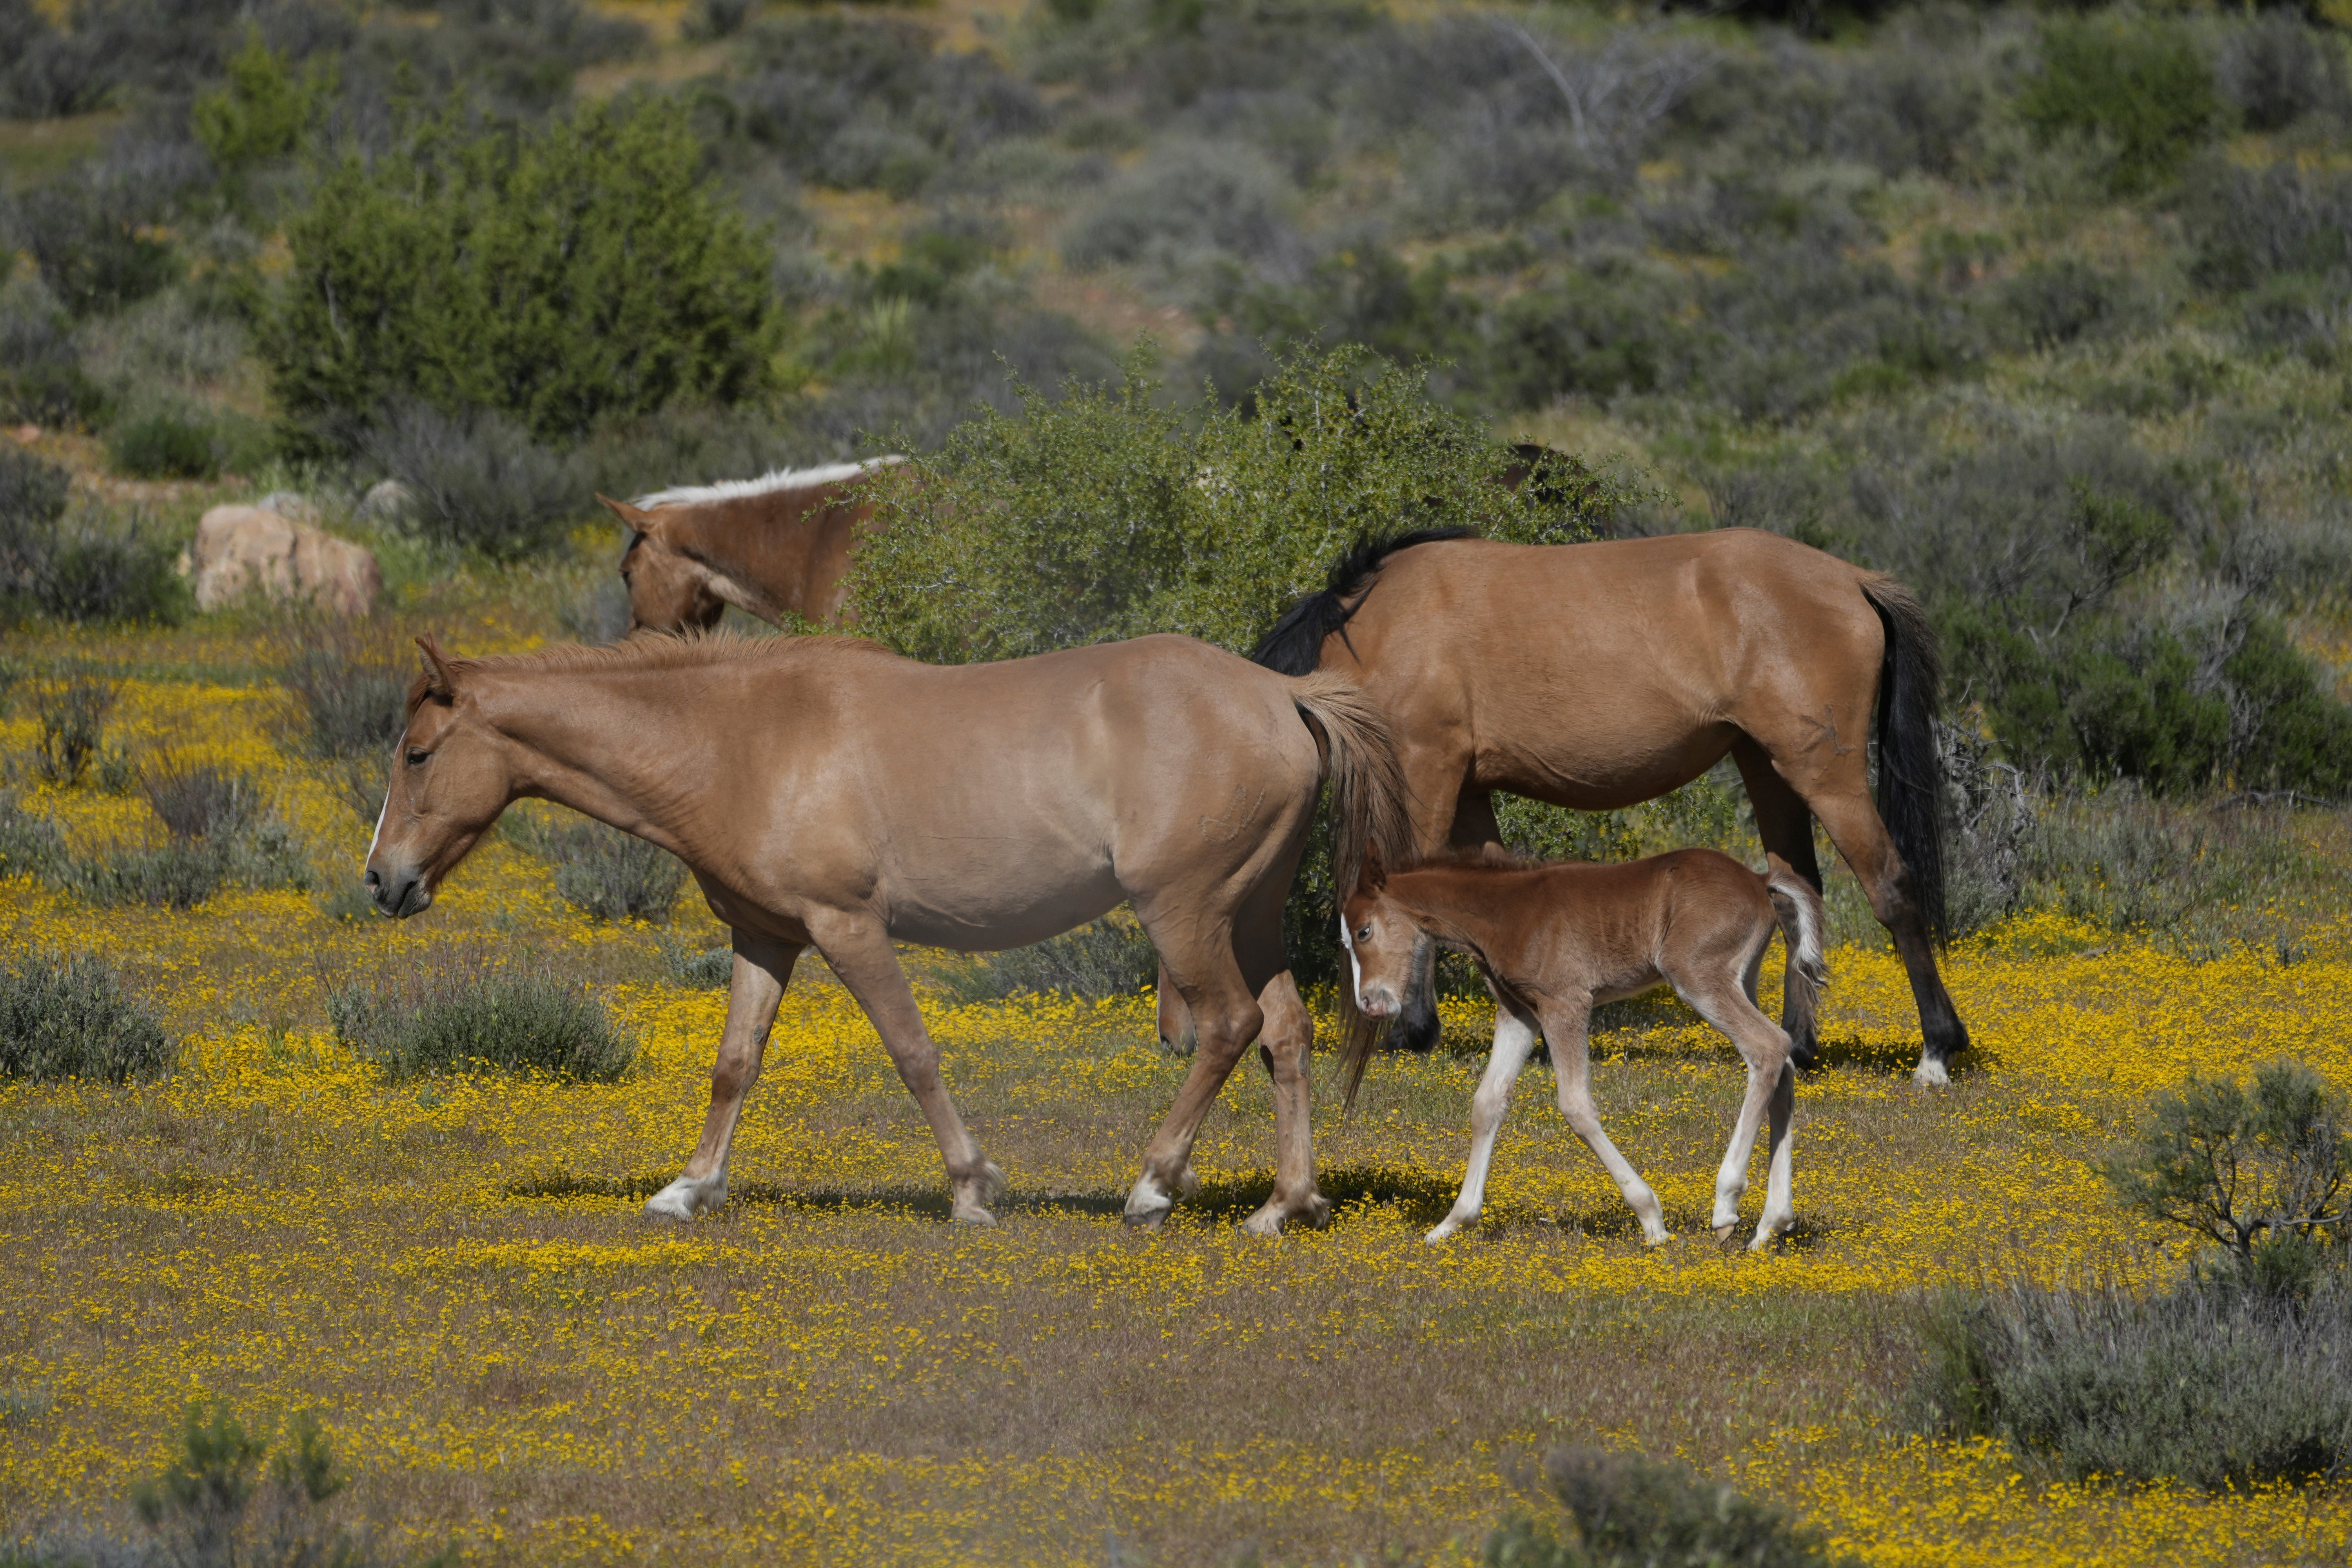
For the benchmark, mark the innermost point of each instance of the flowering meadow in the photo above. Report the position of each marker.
(457, 1275)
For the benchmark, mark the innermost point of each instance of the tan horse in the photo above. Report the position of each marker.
(827, 793)
(1552, 939)
(1597, 676)
(770, 547)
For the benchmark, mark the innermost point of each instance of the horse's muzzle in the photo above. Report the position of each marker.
(1378, 1002)
(400, 896)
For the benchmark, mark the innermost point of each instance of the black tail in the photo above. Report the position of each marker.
(1295, 645)
(1910, 773)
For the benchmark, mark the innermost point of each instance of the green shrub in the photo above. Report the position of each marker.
(559, 274)
(200, 800)
(1105, 514)
(2142, 84)
(2259, 1170)
(462, 1012)
(67, 1015)
(603, 872)
(230, 1496)
(477, 478)
(2218, 1388)
(1622, 1511)
(163, 445)
(29, 844)
(1109, 957)
(94, 240)
(184, 872)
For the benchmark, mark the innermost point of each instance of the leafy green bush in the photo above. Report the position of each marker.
(29, 844)
(227, 1497)
(162, 445)
(704, 968)
(2262, 1172)
(64, 1014)
(1106, 514)
(603, 872)
(2218, 1388)
(184, 871)
(2143, 84)
(93, 239)
(556, 274)
(1109, 957)
(477, 478)
(1622, 1511)
(449, 1012)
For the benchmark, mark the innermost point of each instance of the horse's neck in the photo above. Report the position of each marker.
(768, 543)
(607, 743)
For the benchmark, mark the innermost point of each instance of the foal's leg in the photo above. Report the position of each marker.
(1785, 823)
(858, 948)
(1717, 997)
(1514, 1041)
(1566, 1028)
(764, 967)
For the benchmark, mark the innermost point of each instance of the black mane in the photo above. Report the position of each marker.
(1295, 645)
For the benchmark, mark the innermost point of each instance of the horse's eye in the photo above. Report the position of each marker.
(416, 757)
(1364, 933)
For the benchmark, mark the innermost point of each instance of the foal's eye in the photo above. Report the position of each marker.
(1363, 933)
(416, 757)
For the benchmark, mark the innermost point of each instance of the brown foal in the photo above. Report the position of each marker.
(827, 793)
(1551, 941)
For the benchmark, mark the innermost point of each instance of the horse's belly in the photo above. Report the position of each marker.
(990, 914)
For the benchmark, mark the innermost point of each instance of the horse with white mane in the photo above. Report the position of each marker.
(772, 546)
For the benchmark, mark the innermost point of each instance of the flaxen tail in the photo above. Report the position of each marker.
(1369, 807)
(1800, 908)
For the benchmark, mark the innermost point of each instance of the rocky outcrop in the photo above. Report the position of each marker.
(242, 548)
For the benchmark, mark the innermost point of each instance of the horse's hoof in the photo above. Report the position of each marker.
(1143, 1219)
(1268, 1221)
(1441, 1233)
(682, 1199)
(1663, 1238)
(1726, 1235)
(1931, 1074)
(964, 1214)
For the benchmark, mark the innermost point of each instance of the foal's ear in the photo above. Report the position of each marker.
(1371, 876)
(440, 681)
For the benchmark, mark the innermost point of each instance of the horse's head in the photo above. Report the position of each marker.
(1381, 942)
(668, 591)
(451, 776)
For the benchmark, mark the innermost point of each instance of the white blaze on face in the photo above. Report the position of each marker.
(380, 810)
(1355, 969)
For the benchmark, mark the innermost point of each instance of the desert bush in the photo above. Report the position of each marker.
(2218, 1388)
(92, 235)
(704, 968)
(432, 273)
(1624, 1510)
(2277, 67)
(454, 1011)
(33, 497)
(72, 709)
(1109, 957)
(597, 615)
(230, 1495)
(1107, 513)
(66, 1015)
(30, 844)
(200, 800)
(163, 443)
(476, 477)
(348, 682)
(41, 377)
(2259, 1170)
(2143, 85)
(260, 851)
(2056, 302)
(1185, 204)
(86, 565)
(603, 872)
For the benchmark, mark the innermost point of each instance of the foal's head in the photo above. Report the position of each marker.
(1382, 943)
(451, 776)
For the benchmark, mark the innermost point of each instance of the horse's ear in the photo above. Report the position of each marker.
(632, 517)
(1371, 876)
(440, 679)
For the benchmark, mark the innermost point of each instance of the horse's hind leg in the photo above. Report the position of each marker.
(1785, 824)
(1514, 1041)
(764, 967)
(1225, 1018)
(858, 948)
(1855, 828)
(1288, 1045)
(1712, 986)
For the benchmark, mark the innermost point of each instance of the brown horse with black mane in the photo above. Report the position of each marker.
(772, 546)
(826, 792)
(1597, 676)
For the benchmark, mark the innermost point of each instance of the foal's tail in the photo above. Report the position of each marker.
(1910, 773)
(1369, 794)
(1799, 906)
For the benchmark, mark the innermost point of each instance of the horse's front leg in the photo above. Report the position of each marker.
(1514, 1041)
(764, 967)
(857, 946)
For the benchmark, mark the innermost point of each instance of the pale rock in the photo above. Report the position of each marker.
(239, 548)
(385, 500)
